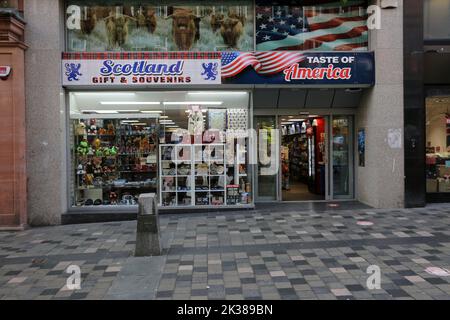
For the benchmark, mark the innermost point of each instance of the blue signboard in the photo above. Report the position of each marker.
(299, 68)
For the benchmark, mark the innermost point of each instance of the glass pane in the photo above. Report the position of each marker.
(201, 139)
(150, 25)
(267, 180)
(342, 155)
(437, 19)
(438, 144)
(296, 27)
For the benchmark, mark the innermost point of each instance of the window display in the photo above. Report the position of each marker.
(438, 145)
(181, 145)
(114, 160)
(205, 173)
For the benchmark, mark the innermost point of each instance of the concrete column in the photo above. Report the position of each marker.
(46, 127)
(381, 182)
(13, 193)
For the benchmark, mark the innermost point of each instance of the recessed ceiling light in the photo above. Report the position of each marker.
(184, 103)
(151, 111)
(100, 111)
(130, 103)
(203, 110)
(132, 111)
(217, 93)
(297, 120)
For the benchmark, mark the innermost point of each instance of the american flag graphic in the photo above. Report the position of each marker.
(265, 63)
(324, 26)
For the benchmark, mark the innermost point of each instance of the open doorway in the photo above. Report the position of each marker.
(303, 158)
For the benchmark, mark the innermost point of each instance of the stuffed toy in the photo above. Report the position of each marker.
(80, 129)
(102, 131)
(99, 153)
(92, 127)
(106, 151)
(113, 151)
(145, 145)
(83, 148)
(97, 168)
(97, 161)
(80, 170)
(97, 143)
(111, 129)
(113, 197)
(90, 151)
(89, 179)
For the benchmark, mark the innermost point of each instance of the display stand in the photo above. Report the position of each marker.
(203, 175)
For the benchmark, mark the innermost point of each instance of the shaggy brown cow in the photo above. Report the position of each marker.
(88, 21)
(117, 27)
(147, 20)
(185, 28)
(216, 20)
(233, 14)
(231, 30)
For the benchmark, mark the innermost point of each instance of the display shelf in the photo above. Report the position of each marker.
(212, 158)
(102, 156)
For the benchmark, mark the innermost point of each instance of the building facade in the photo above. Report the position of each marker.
(227, 106)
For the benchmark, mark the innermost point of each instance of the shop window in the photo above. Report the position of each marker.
(149, 25)
(438, 144)
(437, 20)
(189, 147)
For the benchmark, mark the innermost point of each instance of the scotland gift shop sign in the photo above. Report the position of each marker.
(141, 69)
(352, 69)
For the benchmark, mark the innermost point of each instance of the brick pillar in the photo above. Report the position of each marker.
(13, 193)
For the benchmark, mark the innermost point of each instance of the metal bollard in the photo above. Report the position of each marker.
(147, 236)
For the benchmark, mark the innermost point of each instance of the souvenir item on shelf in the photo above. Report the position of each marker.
(83, 147)
(89, 179)
(184, 169)
(217, 119)
(201, 169)
(97, 143)
(237, 119)
(80, 129)
(111, 130)
(80, 170)
(195, 121)
(93, 127)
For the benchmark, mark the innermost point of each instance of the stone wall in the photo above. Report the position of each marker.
(381, 182)
(45, 114)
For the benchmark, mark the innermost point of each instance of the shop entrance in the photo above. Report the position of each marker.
(302, 157)
(314, 156)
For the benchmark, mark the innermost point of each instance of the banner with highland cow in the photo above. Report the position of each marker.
(150, 25)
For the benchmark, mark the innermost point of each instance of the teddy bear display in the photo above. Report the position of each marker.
(104, 155)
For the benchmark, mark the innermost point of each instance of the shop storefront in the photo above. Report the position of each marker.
(197, 105)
